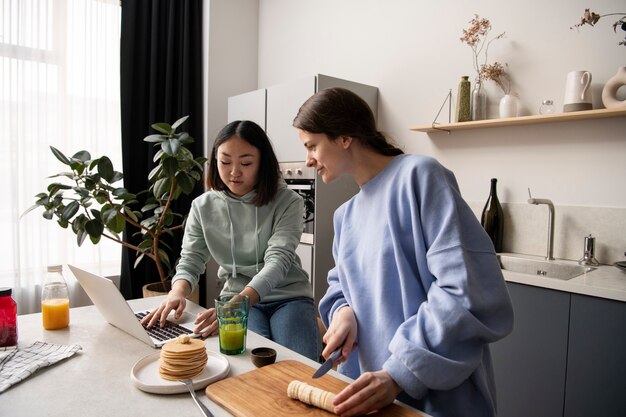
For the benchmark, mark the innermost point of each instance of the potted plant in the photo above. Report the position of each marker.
(94, 207)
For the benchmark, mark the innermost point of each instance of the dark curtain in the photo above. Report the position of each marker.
(161, 81)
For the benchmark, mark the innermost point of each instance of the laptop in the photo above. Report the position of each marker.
(112, 305)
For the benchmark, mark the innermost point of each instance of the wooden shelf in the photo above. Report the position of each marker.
(523, 120)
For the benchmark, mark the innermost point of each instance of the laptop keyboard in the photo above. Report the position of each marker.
(170, 331)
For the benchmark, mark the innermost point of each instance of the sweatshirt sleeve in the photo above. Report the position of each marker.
(467, 304)
(281, 246)
(334, 297)
(194, 253)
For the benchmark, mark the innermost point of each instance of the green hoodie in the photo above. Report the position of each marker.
(253, 246)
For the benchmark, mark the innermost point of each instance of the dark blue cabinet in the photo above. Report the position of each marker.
(596, 359)
(565, 357)
(529, 364)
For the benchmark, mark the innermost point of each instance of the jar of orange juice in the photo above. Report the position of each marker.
(55, 300)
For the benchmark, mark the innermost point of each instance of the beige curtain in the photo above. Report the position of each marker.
(59, 86)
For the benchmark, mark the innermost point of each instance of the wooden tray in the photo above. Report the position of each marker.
(263, 393)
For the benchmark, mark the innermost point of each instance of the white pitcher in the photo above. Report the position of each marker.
(577, 91)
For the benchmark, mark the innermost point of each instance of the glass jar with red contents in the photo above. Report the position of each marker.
(8, 318)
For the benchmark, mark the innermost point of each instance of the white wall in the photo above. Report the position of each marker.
(411, 50)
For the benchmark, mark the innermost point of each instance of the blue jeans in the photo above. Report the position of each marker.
(291, 323)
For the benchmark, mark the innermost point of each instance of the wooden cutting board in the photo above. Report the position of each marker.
(263, 393)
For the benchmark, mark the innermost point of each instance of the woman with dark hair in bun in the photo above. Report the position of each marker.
(416, 295)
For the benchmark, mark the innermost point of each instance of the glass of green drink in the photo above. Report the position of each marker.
(232, 316)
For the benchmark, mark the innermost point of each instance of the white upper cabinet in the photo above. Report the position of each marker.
(283, 102)
(248, 106)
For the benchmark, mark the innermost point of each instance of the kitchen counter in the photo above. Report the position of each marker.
(96, 381)
(606, 281)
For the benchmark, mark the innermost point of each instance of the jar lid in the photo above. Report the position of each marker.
(4, 291)
(55, 268)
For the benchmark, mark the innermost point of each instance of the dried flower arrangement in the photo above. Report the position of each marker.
(476, 36)
(497, 73)
(591, 18)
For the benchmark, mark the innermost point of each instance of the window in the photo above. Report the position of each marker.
(59, 86)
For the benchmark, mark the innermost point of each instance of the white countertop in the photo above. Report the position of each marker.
(606, 281)
(96, 381)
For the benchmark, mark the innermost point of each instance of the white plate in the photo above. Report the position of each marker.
(145, 374)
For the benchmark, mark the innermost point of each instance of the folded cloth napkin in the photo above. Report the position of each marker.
(18, 364)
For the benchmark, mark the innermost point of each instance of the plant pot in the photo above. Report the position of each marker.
(155, 289)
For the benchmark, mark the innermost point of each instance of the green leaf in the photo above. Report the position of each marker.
(116, 224)
(155, 173)
(163, 128)
(171, 146)
(56, 186)
(108, 215)
(82, 156)
(94, 228)
(70, 210)
(149, 207)
(80, 236)
(185, 138)
(155, 138)
(116, 177)
(170, 166)
(130, 214)
(179, 122)
(105, 169)
(161, 187)
(59, 155)
(139, 258)
(185, 182)
(120, 192)
(94, 239)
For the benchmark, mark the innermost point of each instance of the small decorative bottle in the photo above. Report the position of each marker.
(479, 101)
(55, 300)
(492, 218)
(8, 318)
(463, 100)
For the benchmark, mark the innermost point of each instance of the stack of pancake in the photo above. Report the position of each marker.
(182, 358)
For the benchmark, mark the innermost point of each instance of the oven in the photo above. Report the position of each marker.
(301, 179)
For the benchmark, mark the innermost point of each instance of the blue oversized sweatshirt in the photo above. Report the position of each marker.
(253, 246)
(422, 277)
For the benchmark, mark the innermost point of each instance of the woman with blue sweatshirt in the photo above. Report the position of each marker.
(416, 294)
(250, 223)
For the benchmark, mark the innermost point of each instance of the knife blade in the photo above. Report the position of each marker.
(326, 366)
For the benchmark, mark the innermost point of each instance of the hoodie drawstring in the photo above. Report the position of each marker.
(256, 237)
(232, 242)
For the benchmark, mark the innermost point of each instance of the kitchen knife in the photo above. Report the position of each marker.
(326, 366)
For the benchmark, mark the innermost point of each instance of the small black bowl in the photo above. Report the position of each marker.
(262, 356)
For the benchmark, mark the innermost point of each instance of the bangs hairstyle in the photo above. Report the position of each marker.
(337, 112)
(269, 173)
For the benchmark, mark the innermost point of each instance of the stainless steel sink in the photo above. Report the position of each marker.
(548, 269)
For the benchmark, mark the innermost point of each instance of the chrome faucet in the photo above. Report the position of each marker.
(547, 202)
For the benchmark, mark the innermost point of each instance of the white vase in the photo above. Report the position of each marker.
(609, 92)
(508, 106)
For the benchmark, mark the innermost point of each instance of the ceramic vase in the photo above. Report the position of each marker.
(508, 106)
(609, 92)
(463, 113)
